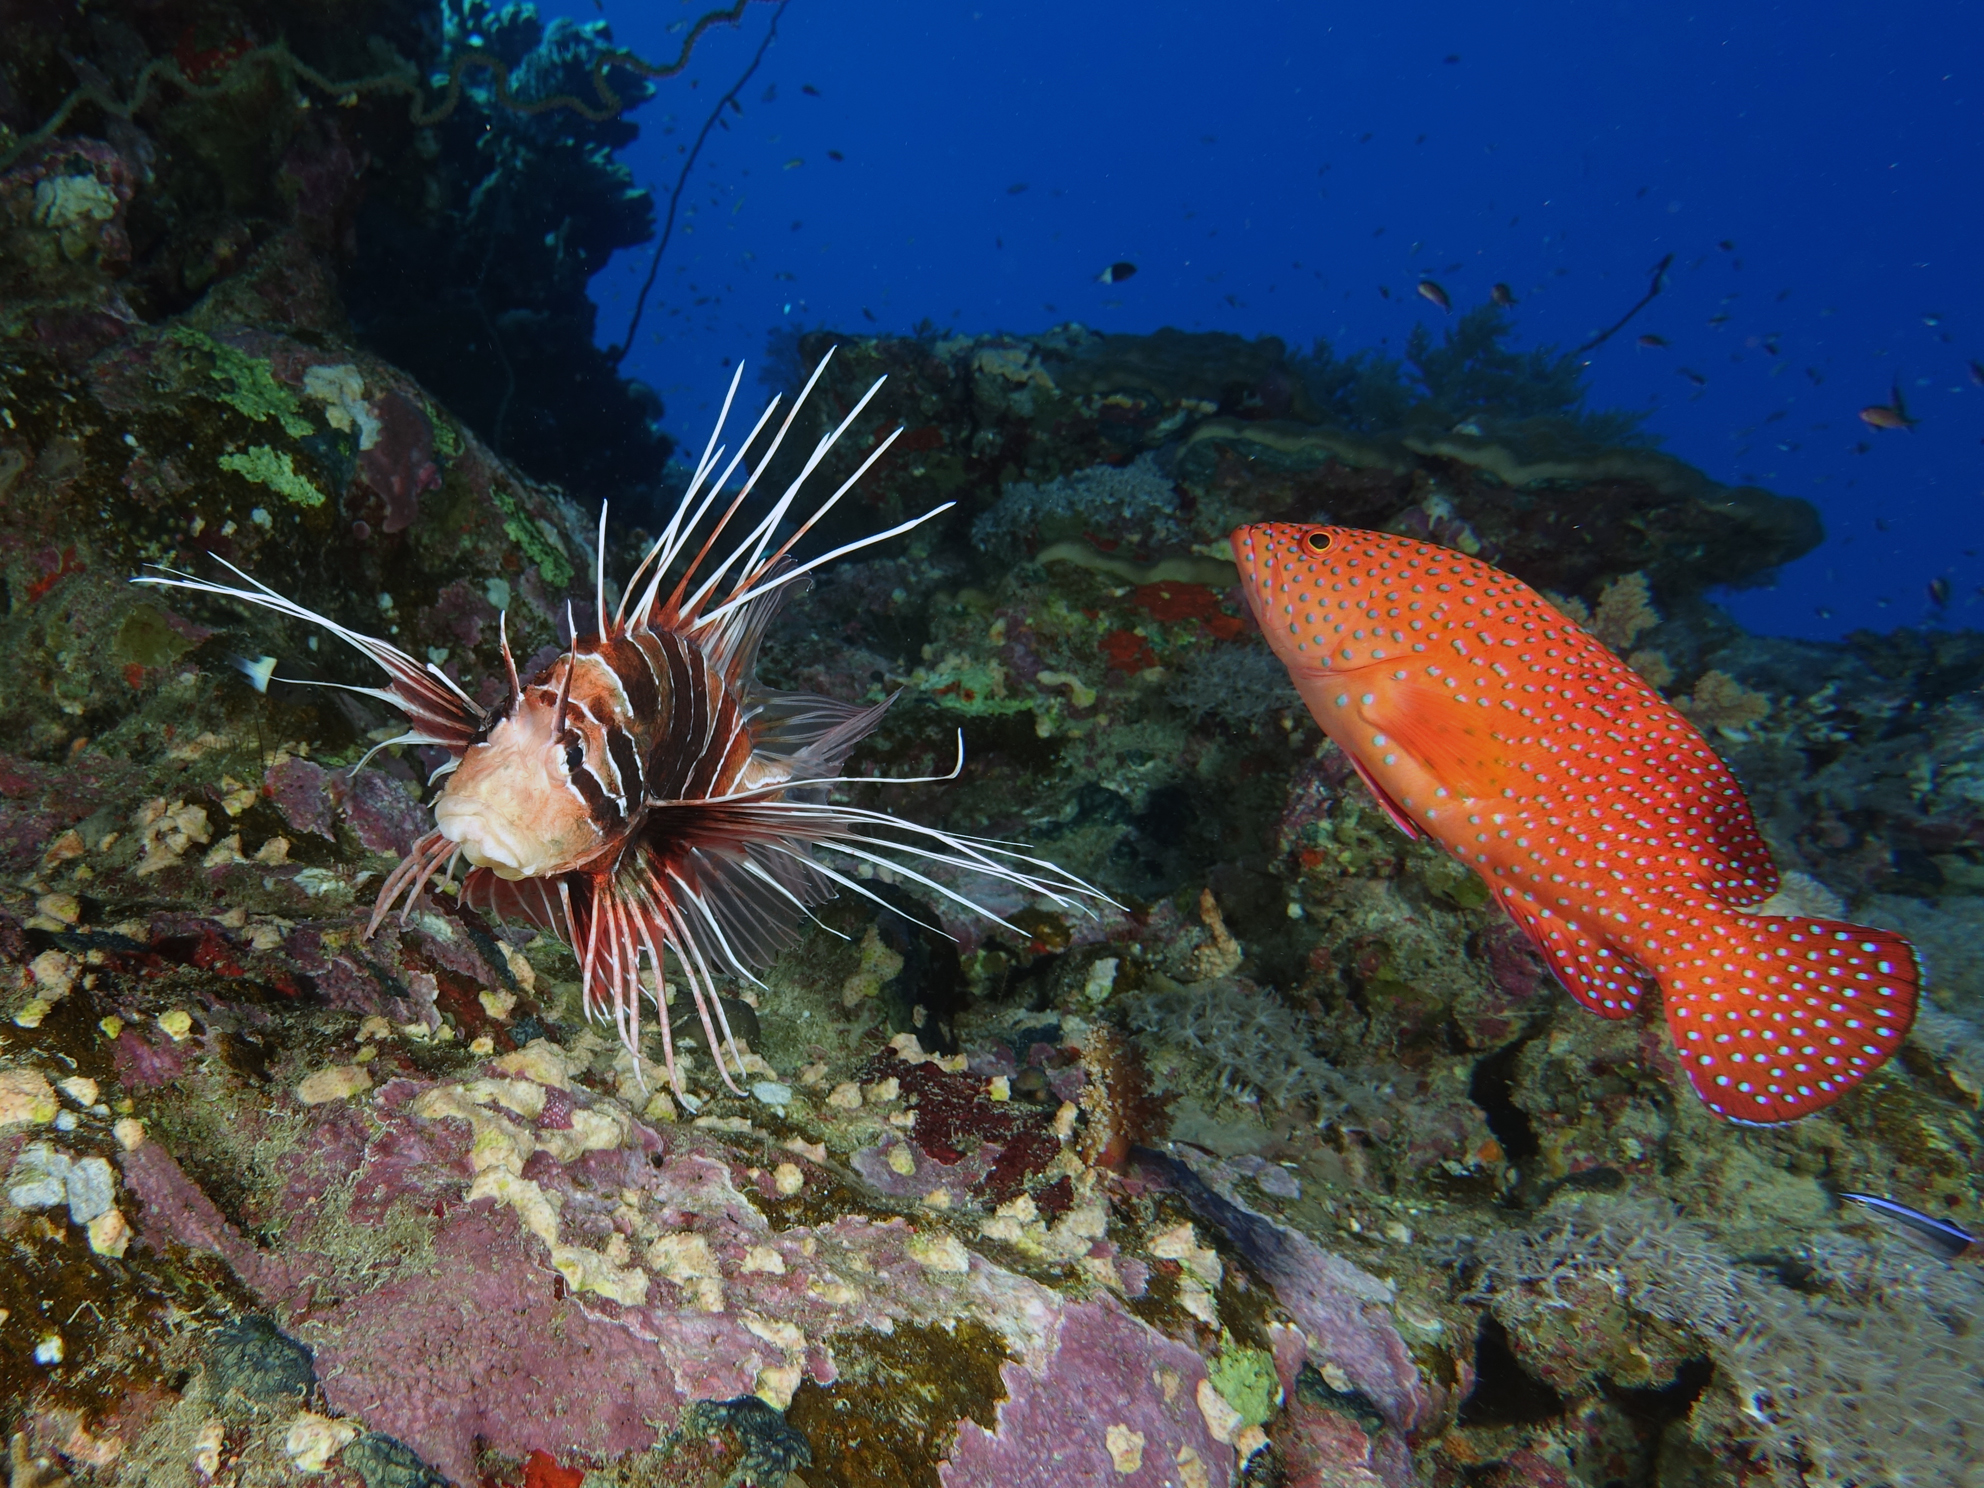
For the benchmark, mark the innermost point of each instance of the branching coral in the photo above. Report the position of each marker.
(1236, 684)
(1134, 501)
(1470, 374)
(1255, 1045)
(1720, 701)
(1871, 1381)
(1625, 610)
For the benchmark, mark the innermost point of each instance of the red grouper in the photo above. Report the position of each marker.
(1482, 717)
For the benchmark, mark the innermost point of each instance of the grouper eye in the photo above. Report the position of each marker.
(575, 756)
(1317, 542)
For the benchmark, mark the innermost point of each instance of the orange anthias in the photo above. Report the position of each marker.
(1597, 815)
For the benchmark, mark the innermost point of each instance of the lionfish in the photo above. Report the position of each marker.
(1597, 816)
(643, 794)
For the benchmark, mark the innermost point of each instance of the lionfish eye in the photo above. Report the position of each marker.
(575, 758)
(1317, 541)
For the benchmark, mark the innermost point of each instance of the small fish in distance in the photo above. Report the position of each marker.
(1945, 1239)
(1977, 373)
(1428, 290)
(1502, 295)
(1116, 273)
(1939, 592)
(1652, 342)
(1892, 414)
(1692, 375)
(1595, 814)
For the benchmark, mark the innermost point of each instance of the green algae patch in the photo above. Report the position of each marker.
(1246, 1380)
(538, 541)
(251, 385)
(447, 441)
(274, 469)
(969, 684)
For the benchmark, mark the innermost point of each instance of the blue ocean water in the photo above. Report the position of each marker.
(1295, 169)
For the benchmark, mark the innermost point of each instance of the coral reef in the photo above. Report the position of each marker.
(1133, 504)
(1864, 1369)
(1293, 1166)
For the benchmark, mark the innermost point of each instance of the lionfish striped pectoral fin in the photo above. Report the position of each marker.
(438, 710)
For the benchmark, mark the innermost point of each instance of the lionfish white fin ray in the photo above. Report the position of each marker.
(509, 661)
(599, 573)
(855, 886)
(800, 570)
(760, 566)
(756, 540)
(676, 536)
(744, 492)
(766, 531)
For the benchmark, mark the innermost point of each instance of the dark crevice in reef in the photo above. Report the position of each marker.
(1505, 1393)
(1659, 1405)
(1654, 1411)
(1492, 1088)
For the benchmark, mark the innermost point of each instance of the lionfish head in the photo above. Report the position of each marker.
(517, 804)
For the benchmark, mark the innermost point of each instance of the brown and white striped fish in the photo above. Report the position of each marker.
(643, 794)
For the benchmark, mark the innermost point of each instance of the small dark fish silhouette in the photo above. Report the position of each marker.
(1430, 291)
(1693, 376)
(1977, 373)
(1892, 414)
(1385, 291)
(1653, 342)
(835, 155)
(1727, 245)
(1939, 592)
(809, 90)
(1502, 295)
(1945, 1239)
(1116, 273)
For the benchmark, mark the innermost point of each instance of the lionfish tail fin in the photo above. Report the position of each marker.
(440, 712)
(1777, 1016)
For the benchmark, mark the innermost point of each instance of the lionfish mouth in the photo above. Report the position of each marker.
(485, 840)
(734, 837)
